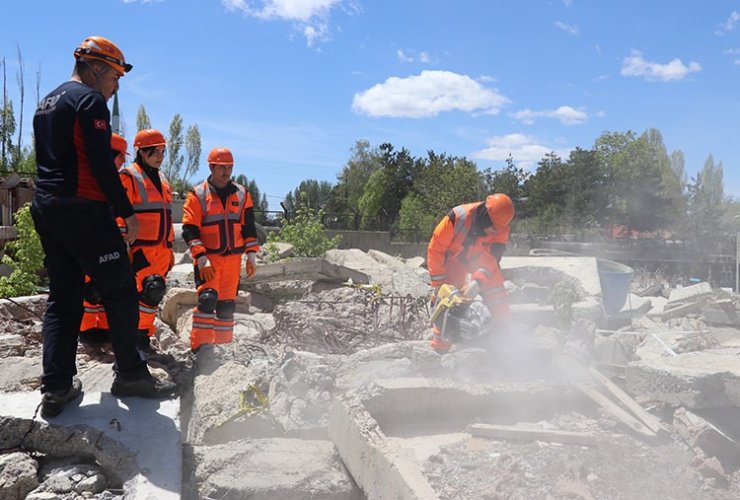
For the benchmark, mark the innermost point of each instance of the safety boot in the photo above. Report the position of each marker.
(148, 387)
(53, 402)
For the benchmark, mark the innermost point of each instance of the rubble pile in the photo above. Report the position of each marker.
(330, 391)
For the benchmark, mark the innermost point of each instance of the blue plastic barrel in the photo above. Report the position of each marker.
(615, 281)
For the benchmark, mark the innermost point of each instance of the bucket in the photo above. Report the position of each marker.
(615, 281)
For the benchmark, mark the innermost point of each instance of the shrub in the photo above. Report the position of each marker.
(305, 232)
(25, 256)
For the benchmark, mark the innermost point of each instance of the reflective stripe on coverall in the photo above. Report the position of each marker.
(222, 241)
(450, 258)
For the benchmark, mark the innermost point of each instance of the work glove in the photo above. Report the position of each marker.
(205, 269)
(251, 265)
(471, 289)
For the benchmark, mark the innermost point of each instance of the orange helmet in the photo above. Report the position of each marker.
(220, 156)
(102, 49)
(500, 209)
(118, 143)
(149, 138)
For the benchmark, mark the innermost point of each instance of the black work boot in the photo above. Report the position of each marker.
(147, 387)
(52, 402)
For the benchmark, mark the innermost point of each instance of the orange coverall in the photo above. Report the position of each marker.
(221, 231)
(151, 254)
(458, 249)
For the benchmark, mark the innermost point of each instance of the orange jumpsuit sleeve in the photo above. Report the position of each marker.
(192, 215)
(249, 230)
(437, 250)
(128, 186)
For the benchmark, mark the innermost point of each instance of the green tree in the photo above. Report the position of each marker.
(192, 151)
(639, 200)
(351, 181)
(509, 180)
(706, 204)
(313, 193)
(142, 119)
(442, 182)
(172, 166)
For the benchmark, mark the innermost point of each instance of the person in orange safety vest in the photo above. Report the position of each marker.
(94, 319)
(151, 253)
(471, 239)
(218, 226)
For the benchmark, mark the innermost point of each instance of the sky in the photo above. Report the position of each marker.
(290, 85)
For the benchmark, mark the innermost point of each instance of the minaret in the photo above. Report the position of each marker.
(116, 127)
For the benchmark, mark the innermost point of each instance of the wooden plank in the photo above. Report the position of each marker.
(531, 434)
(650, 420)
(617, 411)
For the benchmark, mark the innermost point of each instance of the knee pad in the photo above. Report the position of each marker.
(153, 289)
(207, 299)
(225, 309)
(90, 293)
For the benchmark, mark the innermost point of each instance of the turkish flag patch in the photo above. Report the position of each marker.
(100, 124)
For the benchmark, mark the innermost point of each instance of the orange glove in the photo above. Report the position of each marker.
(251, 265)
(205, 269)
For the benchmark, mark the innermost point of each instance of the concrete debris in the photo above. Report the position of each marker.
(330, 391)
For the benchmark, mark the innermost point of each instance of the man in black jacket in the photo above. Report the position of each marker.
(78, 193)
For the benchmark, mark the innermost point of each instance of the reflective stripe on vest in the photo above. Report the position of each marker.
(145, 209)
(229, 227)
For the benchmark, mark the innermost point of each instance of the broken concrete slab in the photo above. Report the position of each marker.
(273, 469)
(20, 373)
(696, 380)
(721, 312)
(700, 433)
(539, 270)
(377, 466)
(690, 293)
(312, 268)
(136, 439)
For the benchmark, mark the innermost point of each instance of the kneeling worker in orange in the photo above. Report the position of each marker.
(93, 317)
(471, 239)
(218, 226)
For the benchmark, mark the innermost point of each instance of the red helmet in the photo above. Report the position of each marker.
(220, 156)
(102, 49)
(500, 210)
(149, 138)
(118, 143)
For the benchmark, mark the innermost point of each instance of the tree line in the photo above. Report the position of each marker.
(625, 184)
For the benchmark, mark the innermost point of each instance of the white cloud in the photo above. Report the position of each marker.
(568, 28)
(524, 149)
(427, 94)
(403, 57)
(568, 3)
(566, 114)
(636, 65)
(310, 17)
(729, 24)
(407, 57)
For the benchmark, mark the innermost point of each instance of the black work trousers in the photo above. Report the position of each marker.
(81, 237)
